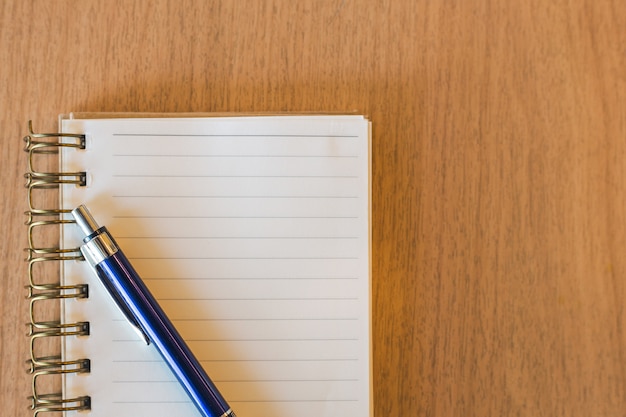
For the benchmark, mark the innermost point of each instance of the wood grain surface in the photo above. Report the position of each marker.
(499, 170)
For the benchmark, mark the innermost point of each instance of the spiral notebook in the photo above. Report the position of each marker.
(253, 233)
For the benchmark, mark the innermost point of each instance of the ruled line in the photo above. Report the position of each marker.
(233, 217)
(257, 319)
(244, 401)
(139, 360)
(247, 258)
(149, 155)
(234, 176)
(320, 400)
(240, 196)
(179, 279)
(242, 135)
(261, 299)
(246, 340)
(242, 237)
(168, 381)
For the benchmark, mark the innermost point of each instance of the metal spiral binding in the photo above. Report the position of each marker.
(44, 287)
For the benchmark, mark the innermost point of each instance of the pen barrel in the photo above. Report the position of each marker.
(132, 291)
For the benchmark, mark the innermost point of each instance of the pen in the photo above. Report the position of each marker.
(142, 310)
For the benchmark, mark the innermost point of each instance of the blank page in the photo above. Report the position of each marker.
(253, 234)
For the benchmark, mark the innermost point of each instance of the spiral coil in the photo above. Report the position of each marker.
(44, 288)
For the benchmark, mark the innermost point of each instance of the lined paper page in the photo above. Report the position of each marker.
(253, 234)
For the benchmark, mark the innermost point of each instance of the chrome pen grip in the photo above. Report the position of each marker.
(98, 242)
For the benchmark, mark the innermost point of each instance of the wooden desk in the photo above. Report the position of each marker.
(499, 170)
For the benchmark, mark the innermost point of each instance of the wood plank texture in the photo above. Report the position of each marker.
(499, 169)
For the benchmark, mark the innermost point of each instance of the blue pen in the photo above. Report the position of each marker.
(142, 310)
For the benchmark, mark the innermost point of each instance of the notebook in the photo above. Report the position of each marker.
(252, 232)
